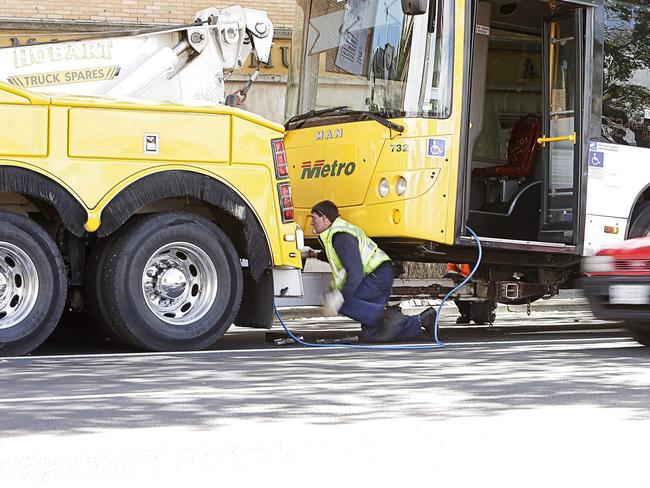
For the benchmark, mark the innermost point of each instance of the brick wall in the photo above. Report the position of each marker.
(134, 11)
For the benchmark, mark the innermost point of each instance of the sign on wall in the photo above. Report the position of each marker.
(278, 64)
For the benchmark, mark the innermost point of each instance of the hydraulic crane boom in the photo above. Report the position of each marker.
(186, 64)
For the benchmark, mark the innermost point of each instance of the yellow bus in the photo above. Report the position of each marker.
(526, 121)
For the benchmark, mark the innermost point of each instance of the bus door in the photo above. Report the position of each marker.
(563, 65)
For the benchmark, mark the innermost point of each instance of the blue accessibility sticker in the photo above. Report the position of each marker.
(437, 148)
(596, 159)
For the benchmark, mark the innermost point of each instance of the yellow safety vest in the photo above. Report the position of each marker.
(371, 255)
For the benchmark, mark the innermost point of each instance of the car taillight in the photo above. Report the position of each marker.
(280, 159)
(286, 202)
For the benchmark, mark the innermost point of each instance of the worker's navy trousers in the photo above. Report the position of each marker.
(368, 307)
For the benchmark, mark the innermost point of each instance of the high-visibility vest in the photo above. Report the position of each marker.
(463, 269)
(371, 255)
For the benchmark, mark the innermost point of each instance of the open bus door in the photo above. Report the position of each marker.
(527, 125)
(563, 68)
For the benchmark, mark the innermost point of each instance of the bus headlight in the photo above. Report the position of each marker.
(383, 187)
(598, 264)
(400, 188)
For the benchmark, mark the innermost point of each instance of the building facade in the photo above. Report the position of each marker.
(28, 21)
(132, 11)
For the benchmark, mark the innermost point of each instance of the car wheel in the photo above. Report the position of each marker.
(33, 284)
(640, 333)
(171, 281)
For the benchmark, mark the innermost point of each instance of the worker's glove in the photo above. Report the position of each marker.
(308, 252)
(305, 252)
(332, 303)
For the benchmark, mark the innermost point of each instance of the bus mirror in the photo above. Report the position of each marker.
(414, 7)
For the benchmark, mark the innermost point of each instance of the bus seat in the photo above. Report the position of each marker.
(521, 148)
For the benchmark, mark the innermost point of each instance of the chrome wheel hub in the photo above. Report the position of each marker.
(18, 285)
(171, 284)
(179, 283)
(3, 287)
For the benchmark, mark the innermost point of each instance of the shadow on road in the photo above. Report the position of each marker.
(198, 390)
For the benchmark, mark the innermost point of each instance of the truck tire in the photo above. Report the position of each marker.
(93, 293)
(103, 321)
(256, 309)
(171, 281)
(33, 284)
(640, 226)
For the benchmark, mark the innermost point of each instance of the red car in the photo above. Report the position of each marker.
(618, 285)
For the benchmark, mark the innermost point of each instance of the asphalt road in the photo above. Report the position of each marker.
(555, 399)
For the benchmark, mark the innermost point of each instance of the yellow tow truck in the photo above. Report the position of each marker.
(130, 191)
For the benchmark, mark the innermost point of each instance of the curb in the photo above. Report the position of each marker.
(551, 305)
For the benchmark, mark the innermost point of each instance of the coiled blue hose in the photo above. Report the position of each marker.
(394, 347)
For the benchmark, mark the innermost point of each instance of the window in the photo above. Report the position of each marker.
(626, 80)
(368, 55)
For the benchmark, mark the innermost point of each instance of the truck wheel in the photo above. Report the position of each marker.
(172, 281)
(93, 293)
(33, 284)
(640, 333)
(256, 309)
(640, 221)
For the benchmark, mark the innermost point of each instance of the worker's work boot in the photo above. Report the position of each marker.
(391, 326)
(393, 319)
(463, 319)
(428, 320)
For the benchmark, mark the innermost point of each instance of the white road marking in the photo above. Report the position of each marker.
(526, 344)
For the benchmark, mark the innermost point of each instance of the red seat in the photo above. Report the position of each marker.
(521, 148)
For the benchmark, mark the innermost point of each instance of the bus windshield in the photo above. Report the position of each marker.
(368, 55)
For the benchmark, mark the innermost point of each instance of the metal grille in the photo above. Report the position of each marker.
(633, 265)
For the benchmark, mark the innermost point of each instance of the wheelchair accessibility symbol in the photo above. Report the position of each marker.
(437, 148)
(596, 159)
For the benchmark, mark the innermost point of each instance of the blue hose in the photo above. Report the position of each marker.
(392, 347)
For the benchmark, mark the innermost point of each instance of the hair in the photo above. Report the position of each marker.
(327, 209)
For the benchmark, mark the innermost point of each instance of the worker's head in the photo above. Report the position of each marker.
(323, 214)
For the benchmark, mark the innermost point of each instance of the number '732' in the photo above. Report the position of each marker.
(399, 147)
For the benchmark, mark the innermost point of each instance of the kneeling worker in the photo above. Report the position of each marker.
(362, 279)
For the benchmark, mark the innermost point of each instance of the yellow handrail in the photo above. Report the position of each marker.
(543, 140)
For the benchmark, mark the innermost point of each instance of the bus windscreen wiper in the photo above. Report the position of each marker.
(376, 117)
(313, 113)
(344, 110)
